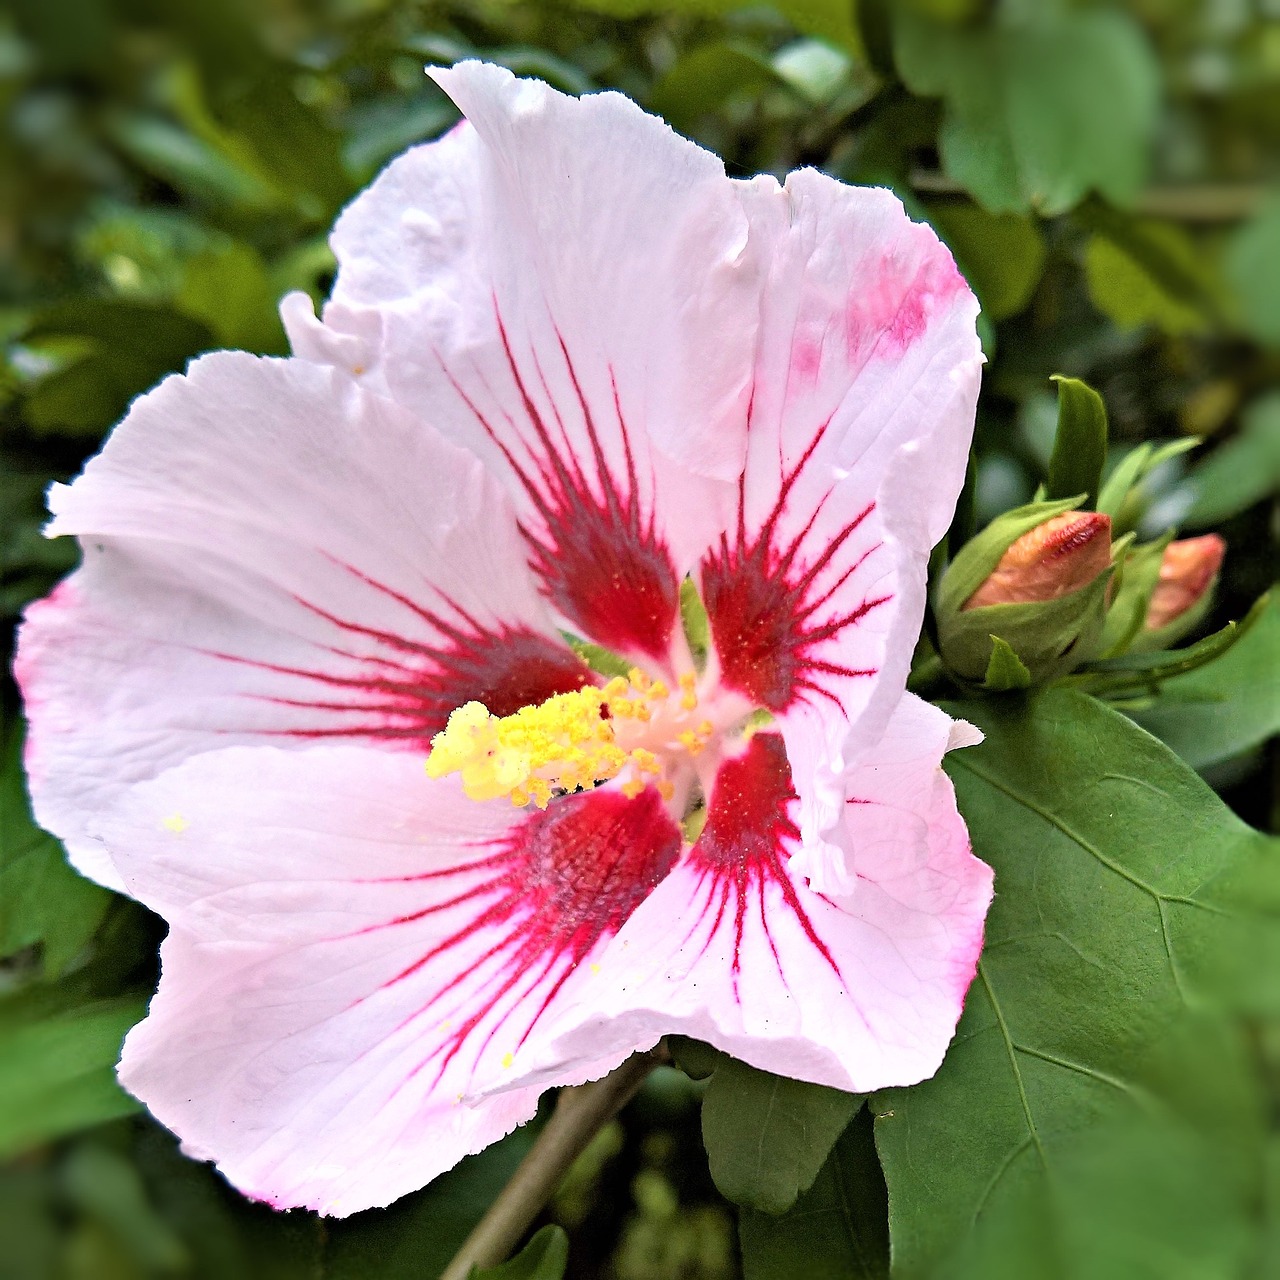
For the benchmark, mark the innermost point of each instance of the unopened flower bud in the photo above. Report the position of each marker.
(1024, 602)
(1187, 571)
(1054, 559)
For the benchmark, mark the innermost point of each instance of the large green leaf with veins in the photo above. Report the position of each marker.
(1119, 879)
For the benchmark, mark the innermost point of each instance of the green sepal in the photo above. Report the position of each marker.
(1080, 445)
(1005, 670)
(1118, 499)
(1050, 637)
(975, 561)
(1136, 577)
(1134, 672)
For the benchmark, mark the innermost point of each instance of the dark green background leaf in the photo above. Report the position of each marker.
(1114, 870)
(1227, 707)
(767, 1136)
(543, 1258)
(836, 1230)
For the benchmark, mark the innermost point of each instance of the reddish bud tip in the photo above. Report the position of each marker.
(1053, 559)
(1187, 571)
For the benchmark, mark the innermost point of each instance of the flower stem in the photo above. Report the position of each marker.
(580, 1113)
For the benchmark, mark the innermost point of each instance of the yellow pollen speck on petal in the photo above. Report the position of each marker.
(595, 968)
(507, 1060)
(176, 823)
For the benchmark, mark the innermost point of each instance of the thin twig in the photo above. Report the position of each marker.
(580, 1113)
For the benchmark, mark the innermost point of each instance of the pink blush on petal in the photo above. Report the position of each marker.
(887, 316)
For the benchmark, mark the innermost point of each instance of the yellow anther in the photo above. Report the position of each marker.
(688, 698)
(564, 741)
(571, 742)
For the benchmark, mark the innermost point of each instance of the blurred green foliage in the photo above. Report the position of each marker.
(1108, 176)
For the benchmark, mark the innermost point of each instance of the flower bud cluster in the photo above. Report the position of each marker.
(1044, 588)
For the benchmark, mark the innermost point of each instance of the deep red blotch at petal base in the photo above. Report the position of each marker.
(763, 605)
(742, 850)
(559, 883)
(404, 690)
(598, 555)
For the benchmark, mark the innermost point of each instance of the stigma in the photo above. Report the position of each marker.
(633, 728)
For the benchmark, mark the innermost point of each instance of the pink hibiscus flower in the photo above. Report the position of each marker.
(567, 366)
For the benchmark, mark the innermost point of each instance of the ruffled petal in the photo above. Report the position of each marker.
(351, 945)
(269, 550)
(864, 385)
(857, 990)
(561, 284)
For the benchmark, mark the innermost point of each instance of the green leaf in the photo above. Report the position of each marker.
(417, 1236)
(57, 1064)
(230, 291)
(1024, 125)
(1001, 255)
(229, 1237)
(700, 81)
(1253, 268)
(813, 68)
(43, 902)
(130, 347)
(386, 126)
(837, 1230)
(1149, 273)
(1227, 708)
(767, 1136)
(106, 1185)
(1114, 891)
(1080, 445)
(30, 563)
(190, 164)
(1241, 472)
(831, 19)
(545, 1257)
(1005, 670)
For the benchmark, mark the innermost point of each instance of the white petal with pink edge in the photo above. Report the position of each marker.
(858, 991)
(865, 381)
(562, 285)
(350, 945)
(269, 551)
